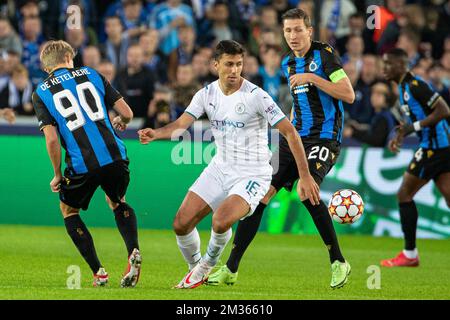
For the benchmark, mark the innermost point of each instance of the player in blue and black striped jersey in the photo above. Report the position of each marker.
(428, 115)
(72, 104)
(318, 85)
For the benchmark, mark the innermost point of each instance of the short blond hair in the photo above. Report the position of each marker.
(54, 53)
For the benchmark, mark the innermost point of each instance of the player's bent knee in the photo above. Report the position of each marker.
(68, 211)
(113, 205)
(404, 196)
(180, 226)
(220, 223)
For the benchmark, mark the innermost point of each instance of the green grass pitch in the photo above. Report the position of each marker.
(35, 262)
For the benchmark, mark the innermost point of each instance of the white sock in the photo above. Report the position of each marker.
(190, 248)
(216, 245)
(411, 254)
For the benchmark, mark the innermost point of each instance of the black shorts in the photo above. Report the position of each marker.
(77, 190)
(321, 154)
(428, 164)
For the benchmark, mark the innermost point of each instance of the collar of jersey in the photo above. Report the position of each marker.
(58, 69)
(407, 75)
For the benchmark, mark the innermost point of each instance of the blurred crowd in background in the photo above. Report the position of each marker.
(157, 54)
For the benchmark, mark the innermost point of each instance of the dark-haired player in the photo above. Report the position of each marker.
(239, 175)
(427, 112)
(318, 85)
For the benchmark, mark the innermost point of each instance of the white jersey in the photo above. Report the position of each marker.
(239, 123)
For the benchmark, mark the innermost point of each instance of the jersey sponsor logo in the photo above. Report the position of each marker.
(239, 108)
(313, 66)
(304, 88)
(272, 111)
(433, 99)
(219, 124)
(329, 49)
(270, 108)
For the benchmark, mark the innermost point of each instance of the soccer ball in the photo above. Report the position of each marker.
(346, 206)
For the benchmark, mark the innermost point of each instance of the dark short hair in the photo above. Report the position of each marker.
(228, 47)
(397, 53)
(297, 14)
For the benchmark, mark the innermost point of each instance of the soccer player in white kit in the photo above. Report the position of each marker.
(239, 175)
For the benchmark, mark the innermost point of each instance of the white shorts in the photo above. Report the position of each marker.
(216, 183)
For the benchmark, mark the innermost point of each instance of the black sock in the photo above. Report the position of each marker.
(245, 232)
(324, 225)
(83, 241)
(408, 219)
(127, 225)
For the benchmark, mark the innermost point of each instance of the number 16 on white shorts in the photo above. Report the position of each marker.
(214, 186)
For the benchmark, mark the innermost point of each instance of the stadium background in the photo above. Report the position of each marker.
(158, 82)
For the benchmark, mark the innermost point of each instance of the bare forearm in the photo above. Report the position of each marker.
(298, 151)
(339, 90)
(54, 152)
(168, 131)
(440, 112)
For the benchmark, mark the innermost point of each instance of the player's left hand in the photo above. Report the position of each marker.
(307, 188)
(55, 184)
(300, 79)
(118, 124)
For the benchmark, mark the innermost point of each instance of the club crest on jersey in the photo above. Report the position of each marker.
(239, 108)
(313, 66)
(406, 96)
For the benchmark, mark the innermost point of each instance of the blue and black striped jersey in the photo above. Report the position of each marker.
(417, 100)
(75, 101)
(317, 115)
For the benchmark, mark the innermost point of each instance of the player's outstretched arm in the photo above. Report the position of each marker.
(307, 188)
(54, 152)
(177, 127)
(125, 115)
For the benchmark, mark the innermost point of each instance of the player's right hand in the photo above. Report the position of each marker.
(396, 142)
(55, 184)
(394, 145)
(146, 135)
(307, 188)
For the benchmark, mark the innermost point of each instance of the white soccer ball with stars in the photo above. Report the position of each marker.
(346, 206)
